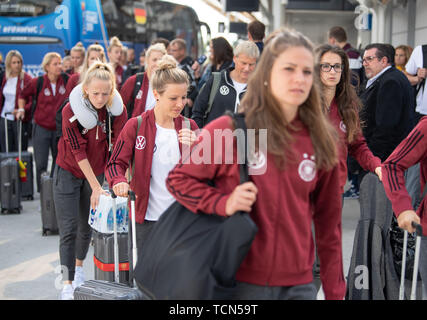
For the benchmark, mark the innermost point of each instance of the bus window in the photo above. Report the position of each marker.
(120, 20)
(25, 8)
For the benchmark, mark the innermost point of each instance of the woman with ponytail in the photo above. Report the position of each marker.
(114, 55)
(152, 143)
(83, 153)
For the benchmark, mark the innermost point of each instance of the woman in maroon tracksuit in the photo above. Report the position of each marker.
(11, 86)
(341, 104)
(151, 151)
(95, 52)
(79, 171)
(412, 150)
(144, 99)
(293, 184)
(49, 99)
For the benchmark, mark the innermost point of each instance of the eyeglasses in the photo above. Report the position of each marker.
(369, 59)
(326, 67)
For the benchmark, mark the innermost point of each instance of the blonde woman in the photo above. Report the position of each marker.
(77, 55)
(144, 99)
(79, 172)
(165, 134)
(95, 52)
(11, 86)
(48, 100)
(114, 55)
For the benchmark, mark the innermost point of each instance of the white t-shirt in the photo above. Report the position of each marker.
(151, 100)
(239, 88)
(166, 155)
(53, 85)
(415, 62)
(9, 93)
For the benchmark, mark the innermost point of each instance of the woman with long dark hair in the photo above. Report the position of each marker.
(294, 182)
(221, 58)
(341, 104)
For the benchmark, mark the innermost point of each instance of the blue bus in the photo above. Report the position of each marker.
(37, 27)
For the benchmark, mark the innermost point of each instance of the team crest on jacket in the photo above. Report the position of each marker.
(46, 92)
(140, 142)
(139, 95)
(61, 89)
(257, 160)
(224, 90)
(343, 127)
(307, 168)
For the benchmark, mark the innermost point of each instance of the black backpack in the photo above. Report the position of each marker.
(138, 83)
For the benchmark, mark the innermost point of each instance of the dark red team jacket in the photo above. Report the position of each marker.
(47, 103)
(143, 148)
(358, 149)
(288, 201)
(75, 145)
(412, 150)
(20, 85)
(141, 96)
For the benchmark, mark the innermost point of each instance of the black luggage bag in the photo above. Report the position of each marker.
(48, 214)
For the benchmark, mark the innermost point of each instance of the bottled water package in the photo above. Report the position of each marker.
(101, 219)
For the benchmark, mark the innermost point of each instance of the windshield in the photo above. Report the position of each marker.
(26, 8)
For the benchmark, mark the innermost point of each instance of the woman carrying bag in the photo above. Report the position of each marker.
(153, 146)
(294, 184)
(83, 153)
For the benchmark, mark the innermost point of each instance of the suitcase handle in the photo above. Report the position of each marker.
(418, 228)
(132, 197)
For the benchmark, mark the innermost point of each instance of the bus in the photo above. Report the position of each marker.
(37, 27)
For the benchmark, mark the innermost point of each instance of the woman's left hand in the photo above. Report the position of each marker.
(94, 198)
(186, 136)
(378, 173)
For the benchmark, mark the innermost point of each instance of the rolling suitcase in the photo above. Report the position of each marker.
(48, 215)
(103, 256)
(419, 233)
(10, 186)
(105, 290)
(27, 186)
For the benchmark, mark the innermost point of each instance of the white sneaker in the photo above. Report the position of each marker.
(79, 277)
(67, 292)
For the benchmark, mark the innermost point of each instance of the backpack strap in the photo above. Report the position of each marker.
(65, 78)
(422, 83)
(138, 84)
(214, 90)
(39, 88)
(139, 118)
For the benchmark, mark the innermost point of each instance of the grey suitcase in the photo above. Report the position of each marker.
(105, 290)
(48, 215)
(103, 256)
(10, 187)
(27, 187)
(419, 233)
(9, 179)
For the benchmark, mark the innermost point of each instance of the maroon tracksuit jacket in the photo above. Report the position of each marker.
(358, 149)
(20, 85)
(141, 145)
(288, 201)
(140, 98)
(47, 103)
(75, 145)
(412, 150)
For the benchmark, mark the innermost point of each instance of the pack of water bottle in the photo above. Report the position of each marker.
(102, 220)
